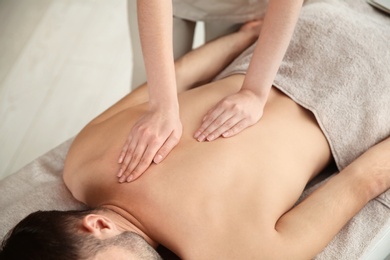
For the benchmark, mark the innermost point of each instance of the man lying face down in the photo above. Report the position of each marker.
(232, 198)
(59, 235)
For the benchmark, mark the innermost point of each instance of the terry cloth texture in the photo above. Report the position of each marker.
(339, 54)
(39, 186)
(338, 66)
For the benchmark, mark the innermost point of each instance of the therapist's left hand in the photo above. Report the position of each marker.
(231, 115)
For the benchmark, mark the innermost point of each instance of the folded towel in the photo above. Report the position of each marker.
(39, 185)
(361, 235)
(338, 67)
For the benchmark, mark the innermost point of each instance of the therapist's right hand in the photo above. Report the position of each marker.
(151, 139)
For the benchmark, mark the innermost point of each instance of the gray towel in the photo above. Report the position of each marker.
(39, 185)
(338, 67)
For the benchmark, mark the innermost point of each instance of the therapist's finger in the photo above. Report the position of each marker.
(124, 150)
(210, 127)
(226, 126)
(208, 119)
(123, 172)
(135, 159)
(143, 163)
(210, 116)
(127, 151)
(167, 147)
(237, 128)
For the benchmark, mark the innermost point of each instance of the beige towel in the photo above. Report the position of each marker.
(338, 66)
(361, 234)
(39, 185)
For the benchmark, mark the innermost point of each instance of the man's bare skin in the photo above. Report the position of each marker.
(228, 199)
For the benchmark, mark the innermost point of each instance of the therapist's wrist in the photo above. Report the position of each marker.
(261, 98)
(260, 92)
(164, 104)
(163, 96)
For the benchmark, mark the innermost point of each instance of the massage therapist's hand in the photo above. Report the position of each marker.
(153, 136)
(231, 115)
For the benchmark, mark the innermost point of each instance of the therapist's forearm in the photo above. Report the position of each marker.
(155, 26)
(278, 27)
(202, 64)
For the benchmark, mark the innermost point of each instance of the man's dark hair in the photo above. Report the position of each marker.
(56, 235)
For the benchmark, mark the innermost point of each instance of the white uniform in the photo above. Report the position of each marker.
(235, 11)
(221, 17)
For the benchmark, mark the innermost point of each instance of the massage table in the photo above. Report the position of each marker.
(39, 186)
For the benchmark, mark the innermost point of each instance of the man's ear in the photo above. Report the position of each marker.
(99, 226)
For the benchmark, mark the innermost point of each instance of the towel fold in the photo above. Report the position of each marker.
(337, 65)
(37, 186)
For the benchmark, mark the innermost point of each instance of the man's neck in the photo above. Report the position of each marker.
(126, 222)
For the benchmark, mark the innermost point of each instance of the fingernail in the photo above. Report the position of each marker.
(197, 134)
(201, 138)
(120, 159)
(226, 134)
(210, 138)
(130, 178)
(120, 173)
(157, 159)
(122, 179)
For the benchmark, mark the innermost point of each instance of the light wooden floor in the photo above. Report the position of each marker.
(62, 62)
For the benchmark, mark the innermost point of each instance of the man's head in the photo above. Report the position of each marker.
(72, 235)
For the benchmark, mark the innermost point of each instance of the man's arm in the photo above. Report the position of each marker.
(196, 67)
(333, 204)
(204, 63)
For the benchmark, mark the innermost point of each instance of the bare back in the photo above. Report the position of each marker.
(205, 198)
